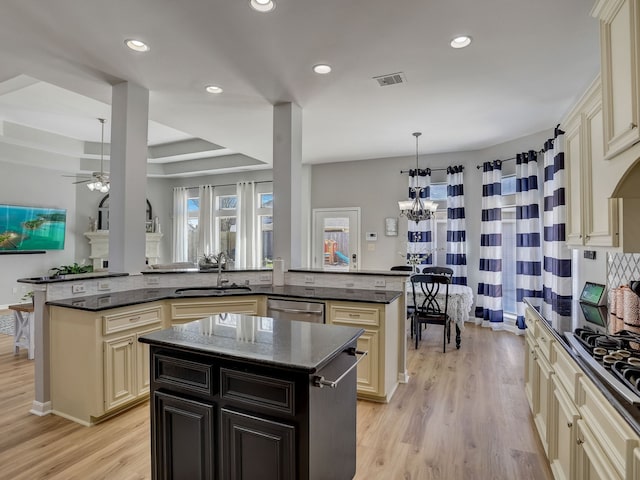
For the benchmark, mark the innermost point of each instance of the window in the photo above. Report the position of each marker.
(225, 222)
(265, 226)
(509, 259)
(193, 211)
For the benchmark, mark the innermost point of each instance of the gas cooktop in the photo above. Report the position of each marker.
(613, 356)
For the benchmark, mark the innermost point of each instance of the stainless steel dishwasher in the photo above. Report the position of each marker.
(295, 310)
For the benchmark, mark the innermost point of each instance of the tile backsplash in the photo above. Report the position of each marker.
(622, 268)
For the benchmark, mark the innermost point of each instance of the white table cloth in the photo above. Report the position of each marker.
(460, 301)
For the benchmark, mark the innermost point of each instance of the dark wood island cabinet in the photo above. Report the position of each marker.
(242, 397)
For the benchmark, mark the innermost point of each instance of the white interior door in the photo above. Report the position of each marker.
(336, 238)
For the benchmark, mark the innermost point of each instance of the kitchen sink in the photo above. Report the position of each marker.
(225, 290)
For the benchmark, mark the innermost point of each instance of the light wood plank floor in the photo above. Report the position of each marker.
(463, 415)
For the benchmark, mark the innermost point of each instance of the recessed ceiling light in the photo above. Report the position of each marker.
(322, 68)
(263, 5)
(461, 41)
(213, 89)
(137, 45)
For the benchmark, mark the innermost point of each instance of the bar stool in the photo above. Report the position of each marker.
(23, 335)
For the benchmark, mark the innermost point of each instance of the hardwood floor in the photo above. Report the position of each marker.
(463, 415)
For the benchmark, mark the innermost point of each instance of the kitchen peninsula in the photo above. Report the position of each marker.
(97, 367)
(253, 397)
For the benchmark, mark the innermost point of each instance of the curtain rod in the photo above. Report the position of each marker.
(233, 184)
(432, 169)
(509, 159)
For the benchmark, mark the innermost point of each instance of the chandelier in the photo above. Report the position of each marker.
(417, 210)
(100, 181)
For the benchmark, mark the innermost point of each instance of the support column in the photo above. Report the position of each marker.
(290, 226)
(128, 175)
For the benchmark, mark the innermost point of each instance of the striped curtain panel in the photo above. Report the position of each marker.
(489, 301)
(528, 244)
(419, 239)
(456, 226)
(556, 275)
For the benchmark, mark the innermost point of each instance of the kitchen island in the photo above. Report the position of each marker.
(240, 396)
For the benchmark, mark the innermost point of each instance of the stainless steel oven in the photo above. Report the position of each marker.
(286, 309)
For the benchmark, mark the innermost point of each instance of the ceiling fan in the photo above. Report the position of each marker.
(98, 181)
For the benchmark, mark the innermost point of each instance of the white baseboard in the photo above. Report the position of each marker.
(403, 377)
(40, 409)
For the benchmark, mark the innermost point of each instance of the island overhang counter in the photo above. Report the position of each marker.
(240, 396)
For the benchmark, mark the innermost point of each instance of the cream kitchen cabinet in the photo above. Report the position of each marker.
(592, 217)
(189, 309)
(378, 371)
(98, 367)
(620, 51)
(583, 435)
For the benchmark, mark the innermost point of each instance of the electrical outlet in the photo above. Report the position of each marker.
(78, 288)
(265, 277)
(379, 283)
(152, 280)
(308, 279)
(104, 285)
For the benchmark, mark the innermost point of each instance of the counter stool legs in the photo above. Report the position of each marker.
(23, 333)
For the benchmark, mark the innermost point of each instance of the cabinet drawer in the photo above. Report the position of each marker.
(185, 374)
(355, 315)
(257, 390)
(614, 435)
(545, 342)
(567, 370)
(118, 322)
(194, 310)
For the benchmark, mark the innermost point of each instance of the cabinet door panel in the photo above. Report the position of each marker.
(573, 165)
(368, 368)
(562, 433)
(143, 363)
(545, 391)
(254, 447)
(183, 441)
(119, 373)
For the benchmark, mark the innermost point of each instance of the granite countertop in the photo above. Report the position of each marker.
(96, 303)
(388, 273)
(300, 346)
(70, 278)
(569, 316)
(153, 271)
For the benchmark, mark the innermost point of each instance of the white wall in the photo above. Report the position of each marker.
(377, 185)
(33, 186)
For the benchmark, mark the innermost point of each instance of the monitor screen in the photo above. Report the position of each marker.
(31, 228)
(594, 314)
(593, 293)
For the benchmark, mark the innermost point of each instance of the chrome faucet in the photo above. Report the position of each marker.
(221, 280)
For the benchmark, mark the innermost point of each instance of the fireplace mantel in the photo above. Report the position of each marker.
(99, 242)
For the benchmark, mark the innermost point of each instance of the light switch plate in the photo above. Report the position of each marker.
(152, 280)
(78, 288)
(104, 285)
(308, 279)
(379, 283)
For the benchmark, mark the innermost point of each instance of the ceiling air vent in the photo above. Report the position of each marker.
(391, 79)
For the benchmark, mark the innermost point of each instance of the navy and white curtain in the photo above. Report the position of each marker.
(528, 243)
(556, 275)
(489, 302)
(419, 234)
(456, 226)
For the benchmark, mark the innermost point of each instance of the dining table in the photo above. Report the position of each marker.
(459, 308)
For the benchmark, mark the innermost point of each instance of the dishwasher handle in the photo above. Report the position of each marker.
(291, 310)
(320, 382)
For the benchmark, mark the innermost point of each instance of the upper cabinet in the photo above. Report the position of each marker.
(592, 217)
(620, 50)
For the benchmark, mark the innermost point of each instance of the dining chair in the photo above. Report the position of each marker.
(438, 271)
(430, 306)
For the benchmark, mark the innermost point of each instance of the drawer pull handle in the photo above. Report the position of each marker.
(320, 382)
(354, 315)
(543, 339)
(569, 424)
(579, 441)
(134, 319)
(632, 126)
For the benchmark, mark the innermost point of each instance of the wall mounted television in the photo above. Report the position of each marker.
(31, 229)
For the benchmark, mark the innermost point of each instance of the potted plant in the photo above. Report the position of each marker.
(28, 297)
(70, 269)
